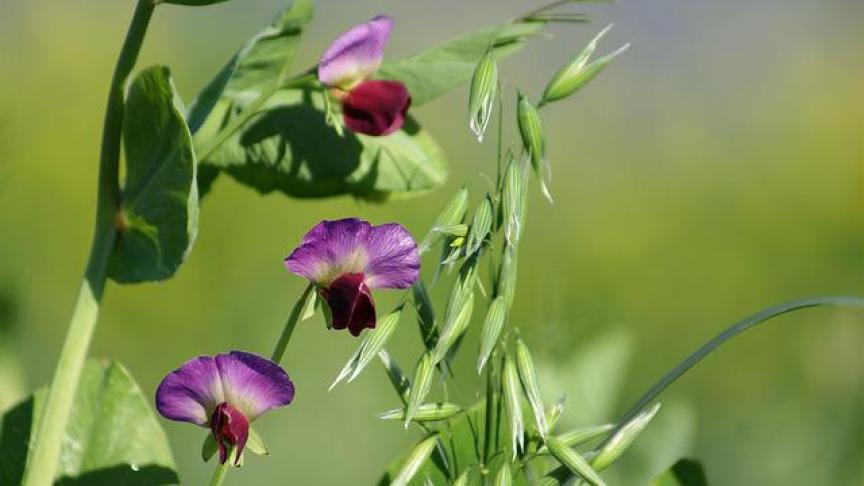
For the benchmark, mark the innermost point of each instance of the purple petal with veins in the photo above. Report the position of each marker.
(191, 392)
(247, 382)
(386, 255)
(356, 54)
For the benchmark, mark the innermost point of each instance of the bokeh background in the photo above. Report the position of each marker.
(714, 169)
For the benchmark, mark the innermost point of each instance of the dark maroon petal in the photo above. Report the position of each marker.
(351, 304)
(376, 107)
(230, 429)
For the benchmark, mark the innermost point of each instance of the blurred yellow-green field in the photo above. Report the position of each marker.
(714, 169)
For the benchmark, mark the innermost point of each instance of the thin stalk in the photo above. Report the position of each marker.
(490, 411)
(290, 324)
(42, 465)
(248, 112)
(730, 332)
(221, 470)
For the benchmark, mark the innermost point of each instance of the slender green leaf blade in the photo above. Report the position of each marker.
(159, 207)
(425, 314)
(400, 382)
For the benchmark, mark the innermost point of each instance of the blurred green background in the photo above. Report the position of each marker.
(714, 169)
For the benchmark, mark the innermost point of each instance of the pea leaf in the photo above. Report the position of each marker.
(113, 436)
(266, 56)
(439, 69)
(289, 148)
(160, 199)
(685, 472)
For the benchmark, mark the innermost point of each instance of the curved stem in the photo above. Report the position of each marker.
(727, 334)
(221, 470)
(290, 324)
(42, 464)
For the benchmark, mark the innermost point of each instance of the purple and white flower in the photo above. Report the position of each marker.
(224, 393)
(371, 107)
(347, 259)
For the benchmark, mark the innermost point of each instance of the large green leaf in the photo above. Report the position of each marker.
(160, 198)
(288, 147)
(439, 69)
(113, 436)
(685, 472)
(259, 64)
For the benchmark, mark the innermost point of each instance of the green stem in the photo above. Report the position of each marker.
(290, 324)
(221, 470)
(248, 112)
(42, 464)
(727, 334)
(490, 407)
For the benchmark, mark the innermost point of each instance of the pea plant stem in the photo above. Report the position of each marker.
(290, 324)
(42, 464)
(221, 470)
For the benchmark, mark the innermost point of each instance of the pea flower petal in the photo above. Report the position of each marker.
(356, 54)
(376, 107)
(351, 304)
(224, 393)
(348, 258)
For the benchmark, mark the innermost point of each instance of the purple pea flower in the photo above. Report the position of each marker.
(347, 259)
(224, 393)
(371, 107)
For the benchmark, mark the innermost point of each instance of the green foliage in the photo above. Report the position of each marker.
(272, 134)
(685, 472)
(259, 64)
(159, 204)
(288, 147)
(439, 69)
(113, 436)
